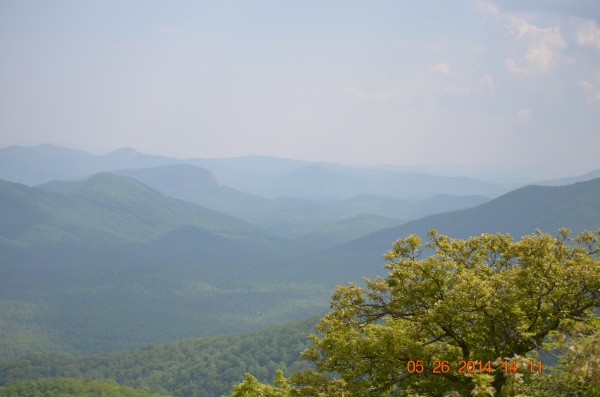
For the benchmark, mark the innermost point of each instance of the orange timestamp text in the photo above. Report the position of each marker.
(468, 366)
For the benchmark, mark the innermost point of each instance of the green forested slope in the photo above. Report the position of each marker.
(66, 387)
(109, 263)
(206, 367)
(347, 229)
(519, 212)
(134, 211)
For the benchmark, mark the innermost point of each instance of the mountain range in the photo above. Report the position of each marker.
(89, 254)
(135, 301)
(100, 253)
(109, 262)
(269, 177)
(289, 216)
(519, 212)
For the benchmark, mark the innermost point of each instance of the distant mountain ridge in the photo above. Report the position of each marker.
(259, 175)
(290, 216)
(568, 181)
(43, 163)
(269, 177)
(518, 213)
(335, 181)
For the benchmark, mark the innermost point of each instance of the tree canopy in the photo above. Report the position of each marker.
(463, 316)
(66, 387)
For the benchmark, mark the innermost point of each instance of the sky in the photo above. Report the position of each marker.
(509, 84)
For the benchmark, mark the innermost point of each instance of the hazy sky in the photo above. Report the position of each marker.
(397, 82)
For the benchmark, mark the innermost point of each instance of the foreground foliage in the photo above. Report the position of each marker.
(577, 374)
(467, 318)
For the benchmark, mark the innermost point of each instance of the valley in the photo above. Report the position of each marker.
(97, 271)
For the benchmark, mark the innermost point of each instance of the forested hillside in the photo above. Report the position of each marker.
(205, 367)
(108, 263)
(81, 258)
(66, 387)
(518, 212)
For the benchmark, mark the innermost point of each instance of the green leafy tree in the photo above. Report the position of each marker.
(251, 387)
(577, 373)
(485, 305)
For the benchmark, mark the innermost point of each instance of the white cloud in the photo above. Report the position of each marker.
(593, 90)
(440, 68)
(588, 34)
(486, 7)
(586, 84)
(524, 114)
(487, 81)
(543, 44)
(512, 67)
(536, 44)
(542, 57)
(519, 27)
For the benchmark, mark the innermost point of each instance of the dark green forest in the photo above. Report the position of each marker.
(149, 262)
(66, 387)
(203, 367)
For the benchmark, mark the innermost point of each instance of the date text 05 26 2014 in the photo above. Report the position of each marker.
(470, 366)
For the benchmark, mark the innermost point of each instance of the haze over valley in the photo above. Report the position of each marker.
(188, 190)
(163, 250)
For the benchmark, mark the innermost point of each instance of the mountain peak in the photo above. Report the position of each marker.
(124, 151)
